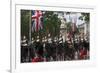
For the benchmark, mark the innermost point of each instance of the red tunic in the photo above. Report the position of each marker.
(38, 59)
(83, 53)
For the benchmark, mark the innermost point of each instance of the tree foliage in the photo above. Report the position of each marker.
(69, 27)
(85, 17)
(25, 23)
(51, 23)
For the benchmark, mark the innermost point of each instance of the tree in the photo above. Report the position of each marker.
(85, 17)
(25, 23)
(69, 27)
(51, 24)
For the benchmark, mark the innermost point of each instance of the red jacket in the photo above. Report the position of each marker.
(38, 59)
(83, 53)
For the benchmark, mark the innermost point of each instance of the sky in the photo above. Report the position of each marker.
(74, 17)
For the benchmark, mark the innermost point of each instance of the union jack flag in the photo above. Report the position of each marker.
(37, 20)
